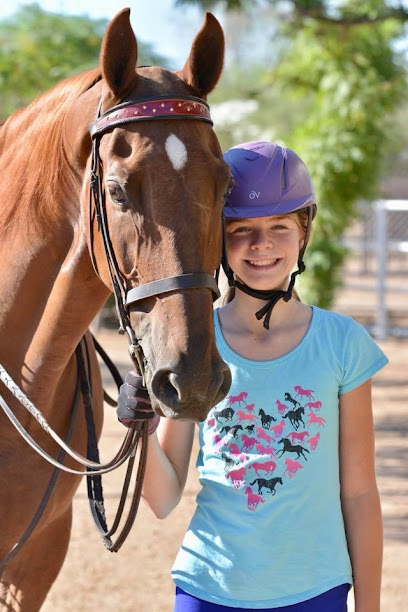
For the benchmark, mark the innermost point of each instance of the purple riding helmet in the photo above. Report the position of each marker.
(268, 180)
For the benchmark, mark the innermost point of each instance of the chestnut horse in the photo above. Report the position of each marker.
(163, 181)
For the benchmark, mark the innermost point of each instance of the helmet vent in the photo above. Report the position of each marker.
(284, 173)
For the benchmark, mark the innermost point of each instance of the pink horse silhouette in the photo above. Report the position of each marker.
(281, 407)
(313, 441)
(314, 405)
(263, 435)
(241, 397)
(295, 435)
(218, 442)
(315, 419)
(292, 467)
(263, 450)
(237, 477)
(245, 416)
(250, 407)
(248, 442)
(303, 392)
(278, 429)
(267, 466)
(234, 450)
(252, 499)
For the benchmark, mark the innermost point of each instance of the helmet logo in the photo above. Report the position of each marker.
(254, 194)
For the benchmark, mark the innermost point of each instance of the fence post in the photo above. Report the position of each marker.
(381, 328)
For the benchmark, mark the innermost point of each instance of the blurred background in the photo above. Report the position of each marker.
(327, 78)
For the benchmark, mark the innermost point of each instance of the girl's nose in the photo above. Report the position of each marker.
(261, 240)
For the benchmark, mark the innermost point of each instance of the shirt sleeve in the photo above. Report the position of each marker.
(362, 358)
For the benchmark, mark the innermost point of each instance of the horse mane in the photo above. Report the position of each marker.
(33, 156)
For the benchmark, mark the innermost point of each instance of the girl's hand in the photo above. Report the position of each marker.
(134, 403)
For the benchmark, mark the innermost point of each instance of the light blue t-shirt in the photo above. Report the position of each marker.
(268, 529)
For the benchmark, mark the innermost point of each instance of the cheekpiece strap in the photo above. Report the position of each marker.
(166, 107)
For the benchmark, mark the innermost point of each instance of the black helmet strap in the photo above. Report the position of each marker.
(274, 295)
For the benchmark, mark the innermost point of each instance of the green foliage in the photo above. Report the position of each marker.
(210, 4)
(354, 85)
(39, 48)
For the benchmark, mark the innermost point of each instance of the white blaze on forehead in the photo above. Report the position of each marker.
(176, 151)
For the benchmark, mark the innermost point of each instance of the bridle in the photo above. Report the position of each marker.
(144, 109)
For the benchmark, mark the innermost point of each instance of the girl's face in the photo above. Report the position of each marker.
(262, 251)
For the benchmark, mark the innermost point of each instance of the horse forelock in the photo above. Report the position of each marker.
(39, 178)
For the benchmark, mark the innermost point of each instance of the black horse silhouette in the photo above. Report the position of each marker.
(295, 417)
(231, 431)
(250, 428)
(234, 430)
(226, 413)
(288, 447)
(229, 462)
(266, 419)
(268, 484)
(290, 399)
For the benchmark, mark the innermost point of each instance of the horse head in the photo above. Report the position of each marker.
(164, 181)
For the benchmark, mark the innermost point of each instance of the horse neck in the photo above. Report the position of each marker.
(48, 301)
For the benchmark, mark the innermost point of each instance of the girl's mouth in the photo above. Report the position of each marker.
(262, 263)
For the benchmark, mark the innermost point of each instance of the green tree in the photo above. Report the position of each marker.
(342, 76)
(354, 83)
(39, 48)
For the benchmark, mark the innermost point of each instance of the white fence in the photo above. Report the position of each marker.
(380, 242)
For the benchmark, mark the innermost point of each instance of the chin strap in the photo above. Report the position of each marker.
(272, 296)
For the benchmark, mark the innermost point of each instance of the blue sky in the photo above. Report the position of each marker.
(170, 30)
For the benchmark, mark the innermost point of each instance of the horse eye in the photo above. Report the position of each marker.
(116, 193)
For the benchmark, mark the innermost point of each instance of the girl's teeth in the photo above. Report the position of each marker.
(263, 262)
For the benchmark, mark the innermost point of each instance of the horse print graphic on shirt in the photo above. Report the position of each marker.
(269, 485)
(265, 446)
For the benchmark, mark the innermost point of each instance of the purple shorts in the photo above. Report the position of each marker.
(334, 600)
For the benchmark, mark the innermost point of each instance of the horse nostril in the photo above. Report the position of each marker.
(165, 388)
(193, 396)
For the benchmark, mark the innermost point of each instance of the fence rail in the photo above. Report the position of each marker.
(380, 242)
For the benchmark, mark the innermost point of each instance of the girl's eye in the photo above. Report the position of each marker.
(241, 229)
(117, 194)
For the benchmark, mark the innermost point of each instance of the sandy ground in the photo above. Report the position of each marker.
(137, 577)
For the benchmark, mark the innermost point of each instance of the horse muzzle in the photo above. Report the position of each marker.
(180, 395)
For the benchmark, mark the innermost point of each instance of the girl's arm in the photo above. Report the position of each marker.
(167, 465)
(359, 496)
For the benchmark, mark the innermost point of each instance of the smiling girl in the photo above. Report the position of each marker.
(288, 515)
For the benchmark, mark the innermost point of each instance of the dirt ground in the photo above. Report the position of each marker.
(137, 578)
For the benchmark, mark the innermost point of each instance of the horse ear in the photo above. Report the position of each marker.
(118, 55)
(204, 64)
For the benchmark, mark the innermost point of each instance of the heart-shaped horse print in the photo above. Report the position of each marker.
(261, 450)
